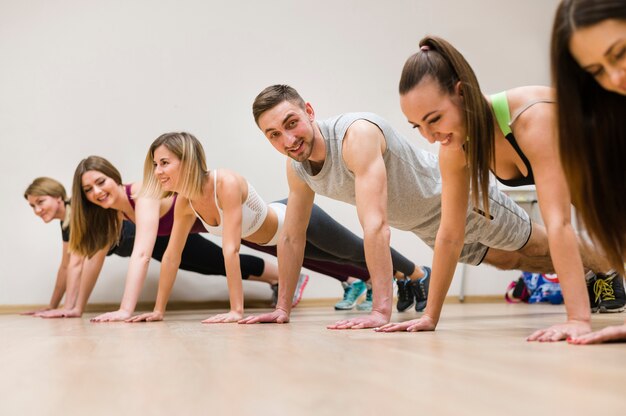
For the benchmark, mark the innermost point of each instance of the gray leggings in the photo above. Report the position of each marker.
(333, 244)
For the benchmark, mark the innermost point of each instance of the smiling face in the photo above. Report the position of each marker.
(99, 189)
(290, 129)
(166, 168)
(600, 49)
(437, 115)
(47, 207)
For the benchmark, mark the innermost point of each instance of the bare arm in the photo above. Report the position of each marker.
(230, 197)
(449, 240)
(363, 147)
(59, 284)
(68, 281)
(537, 134)
(183, 221)
(147, 224)
(291, 245)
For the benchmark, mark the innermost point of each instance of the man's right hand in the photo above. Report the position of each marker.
(116, 316)
(279, 316)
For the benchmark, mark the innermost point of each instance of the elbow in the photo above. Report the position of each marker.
(170, 259)
(142, 257)
(450, 240)
(377, 228)
(230, 251)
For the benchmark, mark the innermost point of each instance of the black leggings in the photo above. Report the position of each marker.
(199, 255)
(334, 250)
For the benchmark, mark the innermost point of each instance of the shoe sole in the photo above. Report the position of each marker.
(341, 308)
(602, 309)
(408, 307)
(301, 291)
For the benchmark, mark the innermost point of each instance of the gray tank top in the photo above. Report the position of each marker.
(413, 177)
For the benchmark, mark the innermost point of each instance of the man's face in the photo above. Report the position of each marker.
(289, 128)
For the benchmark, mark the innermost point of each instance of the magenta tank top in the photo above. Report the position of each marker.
(166, 222)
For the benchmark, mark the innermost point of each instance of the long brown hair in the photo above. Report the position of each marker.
(592, 130)
(92, 227)
(44, 186)
(437, 59)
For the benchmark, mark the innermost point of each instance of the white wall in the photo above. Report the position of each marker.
(84, 77)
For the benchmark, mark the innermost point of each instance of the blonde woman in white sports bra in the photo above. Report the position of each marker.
(230, 207)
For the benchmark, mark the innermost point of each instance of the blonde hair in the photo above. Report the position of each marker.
(192, 166)
(92, 227)
(44, 186)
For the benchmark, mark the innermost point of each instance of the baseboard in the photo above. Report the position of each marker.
(223, 304)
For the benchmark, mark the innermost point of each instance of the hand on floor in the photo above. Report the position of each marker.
(146, 317)
(372, 320)
(423, 323)
(224, 318)
(610, 333)
(560, 332)
(115, 316)
(60, 313)
(279, 316)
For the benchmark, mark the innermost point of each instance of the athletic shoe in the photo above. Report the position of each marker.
(351, 293)
(594, 300)
(274, 300)
(420, 288)
(302, 282)
(611, 292)
(297, 296)
(406, 296)
(366, 305)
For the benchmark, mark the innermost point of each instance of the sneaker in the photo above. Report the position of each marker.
(420, 288)
(406, 297)
(594, 300)
(610, 289)
(366, 305)
(351, 293)
(297, 296)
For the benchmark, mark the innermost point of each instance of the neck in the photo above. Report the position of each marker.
(318, 153)
(60, 214)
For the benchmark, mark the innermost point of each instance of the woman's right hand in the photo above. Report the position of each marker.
(116, 316)
(35, 312)
(60, 313)
(147, 317)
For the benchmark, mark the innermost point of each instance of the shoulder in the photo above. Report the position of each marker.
(534, 127)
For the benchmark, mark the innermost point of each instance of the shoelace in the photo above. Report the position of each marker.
(403, 290)
(603, 289)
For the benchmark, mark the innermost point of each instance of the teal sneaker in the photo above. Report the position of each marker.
(366, 305)
(351, 293)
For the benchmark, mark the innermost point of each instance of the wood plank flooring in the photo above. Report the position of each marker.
(476, 363)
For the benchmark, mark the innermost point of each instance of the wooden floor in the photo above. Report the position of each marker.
(476, 363)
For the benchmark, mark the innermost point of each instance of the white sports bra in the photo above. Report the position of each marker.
(253, 212)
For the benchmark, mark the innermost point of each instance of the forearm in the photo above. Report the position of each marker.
(88, 277)
(233, 278)
(137, 270)
(290, 258)
(169, 269)
(445, 259)
(569, 268)
(378, 257)
(59, 287)
(73, 285)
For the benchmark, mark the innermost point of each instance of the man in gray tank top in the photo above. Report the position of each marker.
(360, 159)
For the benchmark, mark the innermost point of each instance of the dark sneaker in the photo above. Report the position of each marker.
(594, 300)
(274, 295)
(420, 288)
(351, 293)
(406, 295)
(610, 288)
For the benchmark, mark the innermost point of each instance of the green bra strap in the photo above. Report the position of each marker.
(501, 109)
